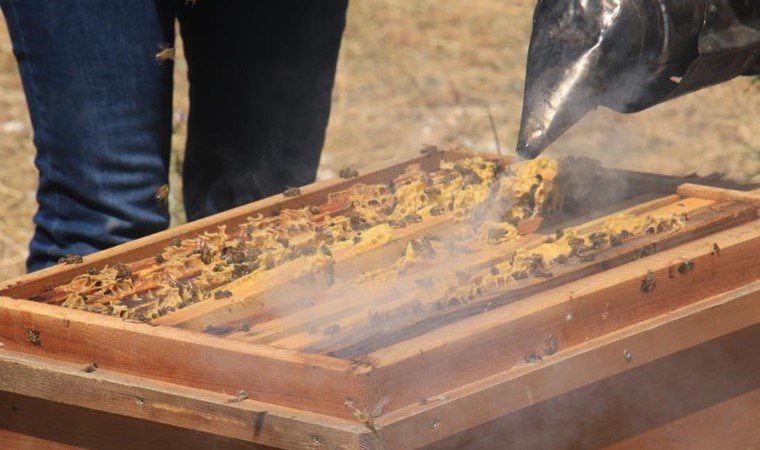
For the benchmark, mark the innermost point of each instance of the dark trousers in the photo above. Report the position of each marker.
(260, 73)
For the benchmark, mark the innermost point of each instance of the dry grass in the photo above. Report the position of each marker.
(414, 72)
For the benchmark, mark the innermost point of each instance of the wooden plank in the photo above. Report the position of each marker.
(599, 358)
(361, 338)
(278, 328)
(272, 375)
(147, 247)
(719, 194)
(34, 424)
(731, 424)
(704, 397)
(276, 289)
(111, 393)
(572, 313)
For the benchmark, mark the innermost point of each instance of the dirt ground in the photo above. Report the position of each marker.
(417, 72)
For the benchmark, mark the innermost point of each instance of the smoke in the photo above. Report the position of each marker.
(664, 401)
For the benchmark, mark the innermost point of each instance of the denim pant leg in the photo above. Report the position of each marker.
(100, 106)
(261, 75)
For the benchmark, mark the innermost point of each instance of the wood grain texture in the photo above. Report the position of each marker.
(34, 424)
(144, 400)
(474, 348)
(192, 359)
(519, 389)
(362, 341)
(704, 397)
(719, 194)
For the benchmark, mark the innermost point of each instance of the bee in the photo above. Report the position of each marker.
(332, 330)
(551, 345)
(520, 275)
(159, 259)
(453, 301)
(587, 257)
(413, 218)
(122, 272)
(715, 249)
(432, 191)
(533, 358)
(646, 250)
(685, 267)
(162, 194)
(495, 235)
(93, 271)
(292, 192)
(576, 242)
(437, 210)
(71, 259)
(348, 173)
(541, 273)
(649, 282)
(166, 53)
(244, 327)
(34, 337)
(561, 260)
(219, 295)
(314, 209)
(364, 416)
(241, 395)
(90, 367)
(429, 149)
(448, 178)
(176, 243)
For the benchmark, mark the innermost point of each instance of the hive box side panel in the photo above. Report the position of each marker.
(31, 423)
(704, 397)
(519, 389)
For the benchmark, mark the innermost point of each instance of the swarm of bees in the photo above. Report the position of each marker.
(484, 202)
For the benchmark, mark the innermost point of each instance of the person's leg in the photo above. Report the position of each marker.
(261, 75)
(100, 105)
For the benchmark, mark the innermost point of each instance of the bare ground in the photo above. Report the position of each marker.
(417, 72)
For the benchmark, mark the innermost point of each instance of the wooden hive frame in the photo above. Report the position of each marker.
(175, 375)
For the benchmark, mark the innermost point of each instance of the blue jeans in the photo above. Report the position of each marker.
(261, 76)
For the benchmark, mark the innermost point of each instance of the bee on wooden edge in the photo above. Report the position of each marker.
(162, 195)
(70, 259)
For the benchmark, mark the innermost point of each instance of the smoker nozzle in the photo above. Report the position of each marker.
(628, 55)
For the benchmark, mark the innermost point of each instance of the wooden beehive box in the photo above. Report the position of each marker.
(650, 340)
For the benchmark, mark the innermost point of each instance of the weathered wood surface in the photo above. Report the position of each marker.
(516, 390)
(277, 376)
(34, 424)
(358, 341)
(703, 397)
(150, 401)
(719, 194)
(585, 309)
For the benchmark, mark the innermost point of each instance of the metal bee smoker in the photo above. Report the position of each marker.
(629, 55)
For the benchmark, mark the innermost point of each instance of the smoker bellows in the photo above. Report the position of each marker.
(629, 55)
